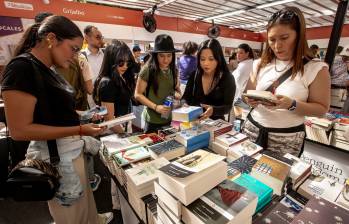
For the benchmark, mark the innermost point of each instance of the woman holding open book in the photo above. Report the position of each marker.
(211, 86)
(115, 84)
(301, 86)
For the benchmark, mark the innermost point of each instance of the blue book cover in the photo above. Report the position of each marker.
(192, 137)
(263, 192)
(196, 146)
(186, 114)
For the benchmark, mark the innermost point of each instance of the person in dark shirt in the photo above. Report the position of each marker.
(212, 86)
(54, 42)
(115, 84)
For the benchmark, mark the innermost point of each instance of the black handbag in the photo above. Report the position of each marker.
(32, 179)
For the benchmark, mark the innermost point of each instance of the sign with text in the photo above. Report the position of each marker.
(10, 25)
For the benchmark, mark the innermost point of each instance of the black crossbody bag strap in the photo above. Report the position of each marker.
(51, 144)
(283, 77)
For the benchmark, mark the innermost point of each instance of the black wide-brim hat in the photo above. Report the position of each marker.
(164, 44)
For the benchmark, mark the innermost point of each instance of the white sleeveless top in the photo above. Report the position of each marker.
(297, 89)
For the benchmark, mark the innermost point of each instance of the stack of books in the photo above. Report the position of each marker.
(173, 205)
(273, 172)
(186, 114)
(140, 182)
(226, 203)
(318, 129)
(169, 149)
(300, 170)
(193, 139)
(322, 187)
(216, 127)
(168, 133)
(337, 136)
(114, 144)
(191, 176)
(263, 192)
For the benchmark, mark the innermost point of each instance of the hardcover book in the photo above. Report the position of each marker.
(272, 172)
(263, 192)
(230, 138)
(186, 114)
(226, 203)
(170, 149)
(125, 157)
(320, 211)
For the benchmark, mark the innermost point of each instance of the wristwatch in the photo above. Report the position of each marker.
(293, 105)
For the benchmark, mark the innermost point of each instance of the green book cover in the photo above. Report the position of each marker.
(125, 157)
(263, 192)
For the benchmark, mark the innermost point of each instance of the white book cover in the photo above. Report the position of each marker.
(321, 186)
(260, 95)
(299, 167)
(246, 147)
(115, 144)
(186, 114)
(198, 160)
(190, 188)
(145, 173)
(230, 138)
(117, 121)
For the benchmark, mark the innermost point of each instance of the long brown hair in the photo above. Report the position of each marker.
(294, 18)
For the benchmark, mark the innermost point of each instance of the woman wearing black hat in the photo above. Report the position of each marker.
(212, 86)
(158, 80)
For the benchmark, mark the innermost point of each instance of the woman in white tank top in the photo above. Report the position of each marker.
(306, 92)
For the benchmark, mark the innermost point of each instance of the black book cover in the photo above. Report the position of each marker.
(243, 164)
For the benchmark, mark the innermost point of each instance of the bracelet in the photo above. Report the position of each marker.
(80, 130)
(155, 107)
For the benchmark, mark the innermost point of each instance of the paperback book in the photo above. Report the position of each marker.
(186, 114)
(170, 149)
(272, 172)
(125, 157)
(230, 138)
(263, 191)
(216, 127)
(226, 203)
(117, 121)
(243, 164)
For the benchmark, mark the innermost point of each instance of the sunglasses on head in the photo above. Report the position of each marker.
(282, 15)
(122, 63)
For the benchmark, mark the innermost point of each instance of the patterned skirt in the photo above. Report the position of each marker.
(282, 140)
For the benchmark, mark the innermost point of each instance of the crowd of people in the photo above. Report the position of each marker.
(115, 77)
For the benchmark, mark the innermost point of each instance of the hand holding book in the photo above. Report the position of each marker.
(208, 111)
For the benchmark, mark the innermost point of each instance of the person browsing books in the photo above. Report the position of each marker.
(212, 86)
(306, 92)
(157, 80)
(54, 42)
(115, 84)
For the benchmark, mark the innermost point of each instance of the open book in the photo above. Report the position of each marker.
(117, 121)
(261, 95)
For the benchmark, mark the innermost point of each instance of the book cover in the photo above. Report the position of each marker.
(279, 213)
(261, 95)
(321, 186)
(243, 164)
(145, 139)
(192, 163)
(146, 173)
(244, 148)
(228, 201)
(125, 157)
(189, 113)
(272, 167)
(193, 136)
(320, 211)
(299, 168)
(230, 138)
(216, 127)
(115, 144)
(166, 146)
(263, 191)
